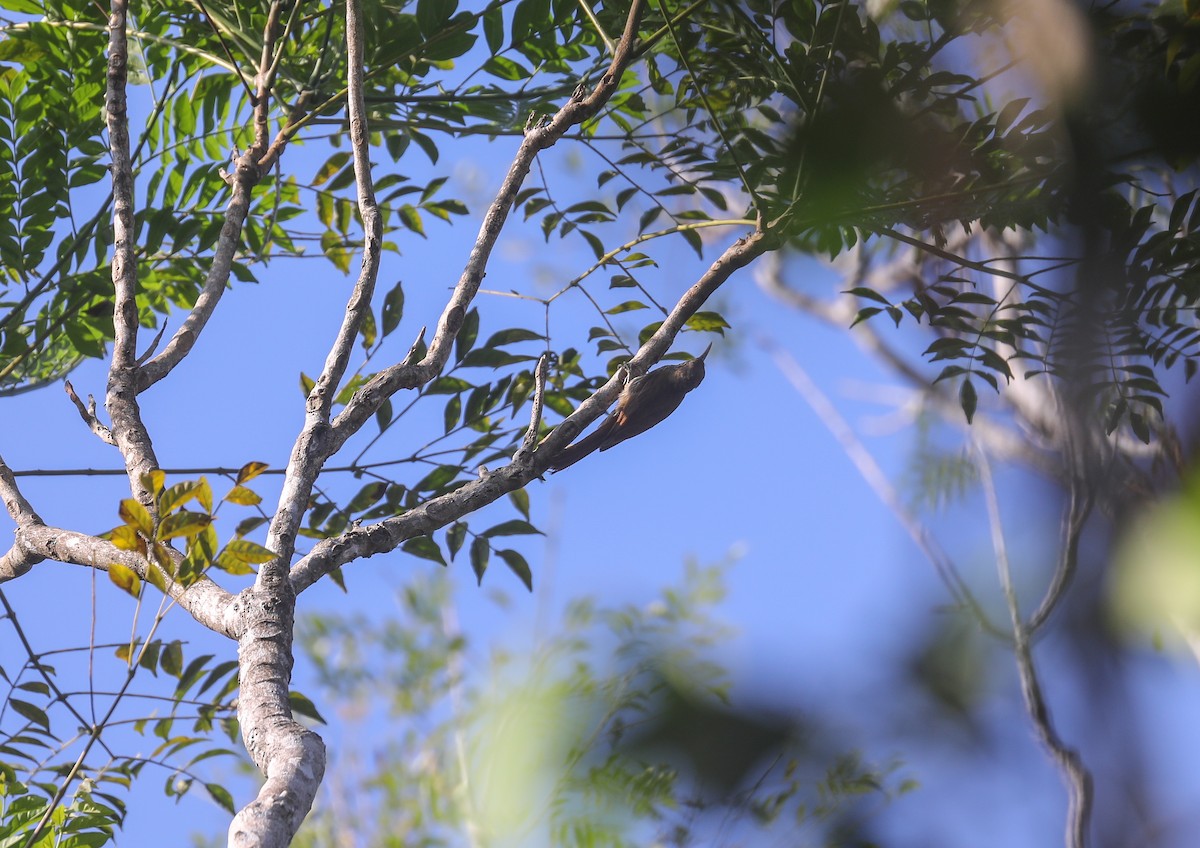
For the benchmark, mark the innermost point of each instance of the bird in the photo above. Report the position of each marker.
(644, 402)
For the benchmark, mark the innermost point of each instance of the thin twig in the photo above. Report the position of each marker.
(529, 441)
(88, 414)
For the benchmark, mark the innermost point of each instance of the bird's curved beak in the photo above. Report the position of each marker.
(706, 350)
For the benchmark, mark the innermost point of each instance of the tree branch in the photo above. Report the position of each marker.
(88, 414)
(406, 376)
(249, 169)
(204, 600)
(738, 255)
(437, 512)
(1075, 773)
(128, 430)
(215, 281)
(18, 559)
(311, 448)
(877, 480)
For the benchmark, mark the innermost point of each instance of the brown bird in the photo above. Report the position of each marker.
(644, 402)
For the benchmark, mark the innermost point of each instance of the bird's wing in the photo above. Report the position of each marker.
(647, 401)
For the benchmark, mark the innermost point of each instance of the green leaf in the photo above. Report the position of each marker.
(455, 536)
(410, 217)
(517, 334)
(437, 478)
(707, 322)
(864, 314)
(300, 703)
(515, 527)
(367, 497)
(425, 548)
(627, 306)
(869, 294)
(518, 566)
(467, 334)
(452, 412)
(30, 712)
(383, 415)
(1141, 429)
(393, 308)
(968, 399)
(487, 357)
(221, 795)
(480, 549)
(171, 660)
(493, 29)
(333, 165)
(448, 386)
(244, 550)
(520, 499)
(432, 15)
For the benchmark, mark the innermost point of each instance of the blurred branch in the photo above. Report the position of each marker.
(877, 480)
(1075, 773)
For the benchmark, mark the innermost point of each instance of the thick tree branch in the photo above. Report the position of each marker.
(205, 601)
(291, 756)
(18, 559)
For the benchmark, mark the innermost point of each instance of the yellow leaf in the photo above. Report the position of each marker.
(125, 578)
(243, 496)
(126, 538)
(247, 551)
(204, 494)
(176, 496)
(183, 523)
(154, 577)
(163, 556)
(136, 515)
(231, 564)
(153, 481)
(251, 470)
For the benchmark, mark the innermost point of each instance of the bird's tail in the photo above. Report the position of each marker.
(571, 454)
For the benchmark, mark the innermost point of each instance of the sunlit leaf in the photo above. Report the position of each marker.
(135, 515)
(125, 578)
(250, 470)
